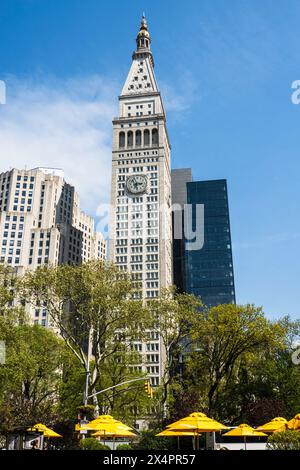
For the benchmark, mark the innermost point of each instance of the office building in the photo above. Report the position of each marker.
(140, 240)
(207, 271)
(41, 222)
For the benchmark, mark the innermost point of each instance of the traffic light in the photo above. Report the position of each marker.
(148, 389)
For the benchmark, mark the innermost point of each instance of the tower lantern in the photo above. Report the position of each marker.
(143, 39)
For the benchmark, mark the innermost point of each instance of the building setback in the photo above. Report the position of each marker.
(180, 178)
(206, 272)
(41, 223)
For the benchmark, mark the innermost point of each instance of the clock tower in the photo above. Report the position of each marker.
(140, 240)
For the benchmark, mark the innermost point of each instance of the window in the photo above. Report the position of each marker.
(154, 136)
(146, 137)
(130, 139)
(138, 138)
(122, 139)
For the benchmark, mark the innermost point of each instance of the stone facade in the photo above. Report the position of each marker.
(140, 240)
(41, 223)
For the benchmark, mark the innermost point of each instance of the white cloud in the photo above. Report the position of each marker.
(179, 97)
(67, 124)
(64, 124)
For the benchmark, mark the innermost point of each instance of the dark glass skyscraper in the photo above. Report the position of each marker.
(209, 270)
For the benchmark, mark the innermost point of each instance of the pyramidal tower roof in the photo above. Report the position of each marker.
(141, 79)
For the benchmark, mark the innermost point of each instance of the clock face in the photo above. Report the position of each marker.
(137, 184)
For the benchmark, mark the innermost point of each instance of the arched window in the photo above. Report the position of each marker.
(138, 138)
(146, 137)
(122, 139)
(129, 139)
(154, 137)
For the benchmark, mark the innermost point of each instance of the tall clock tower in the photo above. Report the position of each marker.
(140, 226)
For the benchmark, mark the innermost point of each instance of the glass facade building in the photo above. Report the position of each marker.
(209, 270)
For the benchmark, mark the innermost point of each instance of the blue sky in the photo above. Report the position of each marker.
(225, 68)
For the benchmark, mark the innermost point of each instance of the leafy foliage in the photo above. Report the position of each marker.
(240, 369)
(95, 301)
(287, 440)
(29, 381)
(91, 443)
(148, 441)
(124, 447)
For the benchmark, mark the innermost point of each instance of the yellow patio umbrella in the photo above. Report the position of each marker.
(273, 425)
(197, 422)
(45, 430)
(292, 425)
(170, 433)
(111, 429)
(114, 433)
(104, 422)
(108, 427)
(244, 430)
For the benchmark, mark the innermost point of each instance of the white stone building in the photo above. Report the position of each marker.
(41, 223)
(140, 239)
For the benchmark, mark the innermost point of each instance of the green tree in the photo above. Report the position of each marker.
(89, 304)
(174, 317)
(224, 336)
(29, 380)
(9, 305)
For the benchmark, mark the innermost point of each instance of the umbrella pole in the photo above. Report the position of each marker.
(245, 443)
(178, 444)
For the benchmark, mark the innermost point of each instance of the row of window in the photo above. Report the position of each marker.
(146, 168)
(138, 154)
(138, 138)
(39, 261)
(132, 162)
(138, 249)
(138, 223)
(11, 251)
(137, 241)
(137, 258)
(136, 233)
(25, 178)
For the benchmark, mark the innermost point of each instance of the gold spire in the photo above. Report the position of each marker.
(144, 21)
(143, 39)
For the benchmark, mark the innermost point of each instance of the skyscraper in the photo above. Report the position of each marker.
(206, 272)
(41, 223)
(140, 240)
